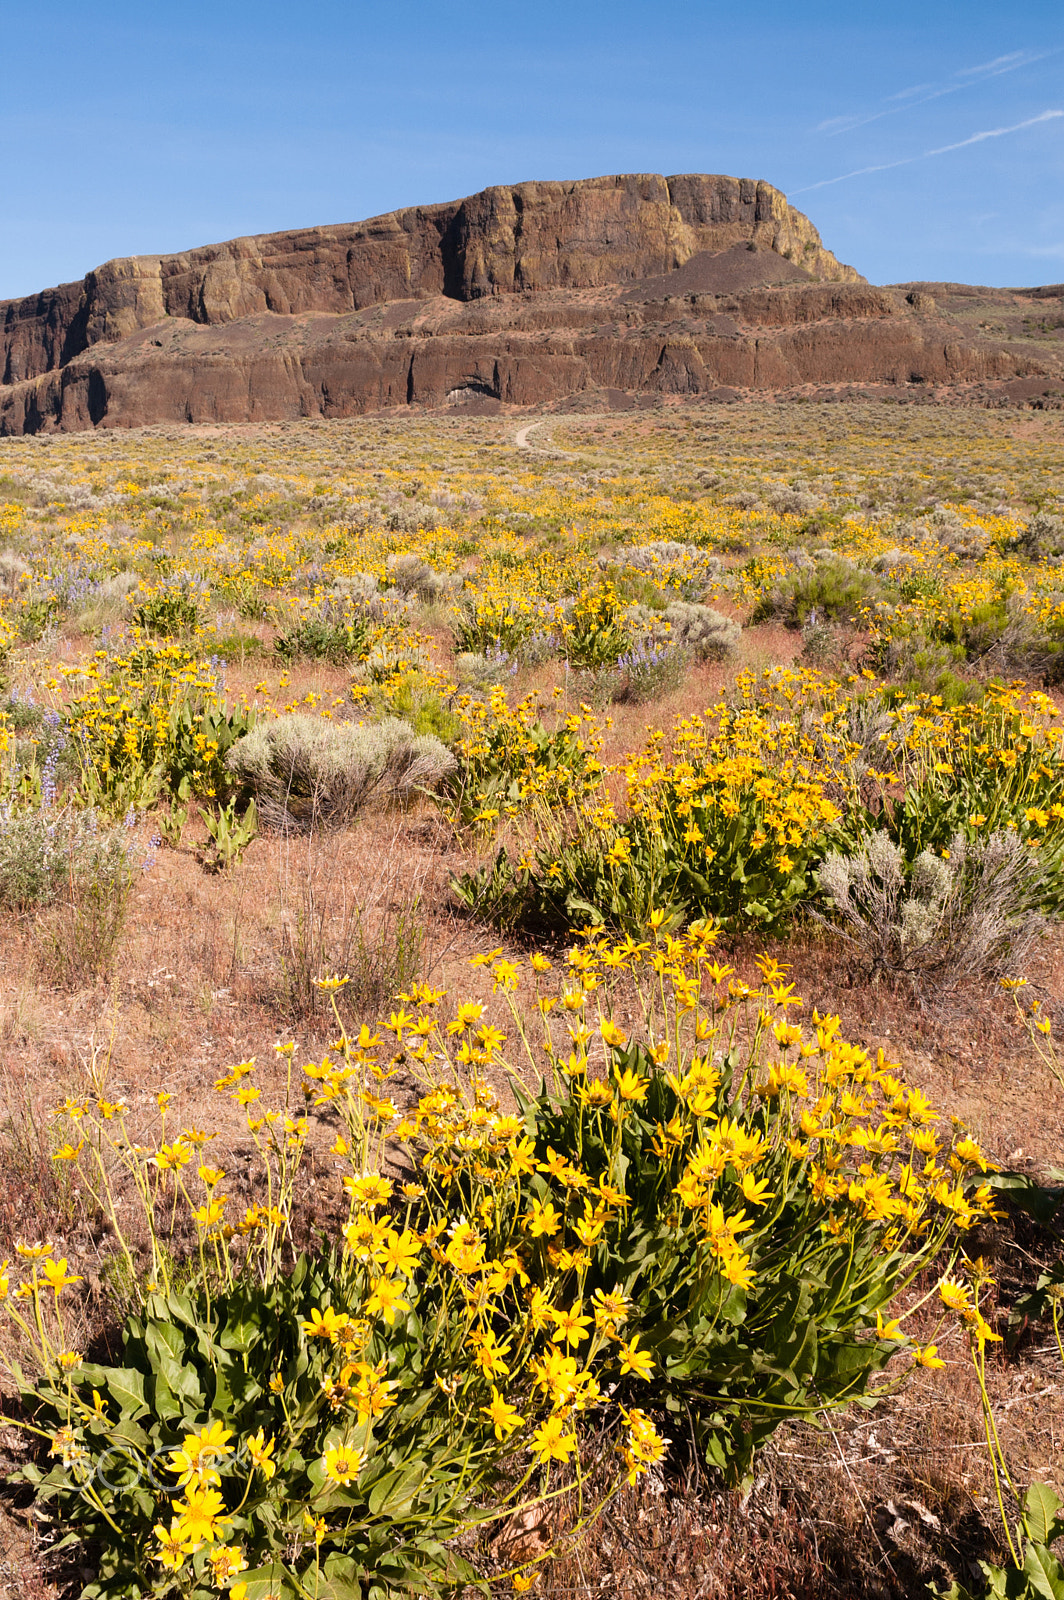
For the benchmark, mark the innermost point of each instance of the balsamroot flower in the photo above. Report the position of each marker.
(550, 1442)
(342, 1463)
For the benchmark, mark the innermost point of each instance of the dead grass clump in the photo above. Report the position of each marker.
(36, 1196)
(372, 927)
(79, 941)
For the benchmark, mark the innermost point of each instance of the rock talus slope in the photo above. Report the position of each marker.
(528, 294)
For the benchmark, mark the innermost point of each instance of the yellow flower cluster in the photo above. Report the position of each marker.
(512, 761)
(769, 771)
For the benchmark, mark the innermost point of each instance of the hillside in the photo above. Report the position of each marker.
(601, 291)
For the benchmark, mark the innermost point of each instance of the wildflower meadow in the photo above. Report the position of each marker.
(488, 931)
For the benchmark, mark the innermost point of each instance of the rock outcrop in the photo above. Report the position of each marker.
(677, 285)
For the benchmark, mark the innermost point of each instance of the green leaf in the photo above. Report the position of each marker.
(713, 1442)
(173, 1381)
(341, 1579)
(733, 1307)
(264, 1583)
(1043, 1573)
(125, 1386)
(995, 1577)
(1038, 1200)
(128, 1432)
(1040, 1509)
(396, 1491)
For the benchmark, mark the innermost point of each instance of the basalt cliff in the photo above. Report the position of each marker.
(610, 290)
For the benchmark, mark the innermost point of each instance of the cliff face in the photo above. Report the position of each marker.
(524, 294)
(532, 236)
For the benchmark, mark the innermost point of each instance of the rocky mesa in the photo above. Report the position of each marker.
(619, 287)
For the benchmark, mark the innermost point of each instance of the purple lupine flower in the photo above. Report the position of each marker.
(500, 660)
(49, 786)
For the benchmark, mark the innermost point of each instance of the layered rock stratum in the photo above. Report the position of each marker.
(612, 288)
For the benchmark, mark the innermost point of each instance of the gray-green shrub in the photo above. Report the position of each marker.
(410, 575)
(793, 500)
(305, 772)
(1041, 539)
(669, 562)
(942, 919)
(711, 635)
(80, 875)
(832, 591)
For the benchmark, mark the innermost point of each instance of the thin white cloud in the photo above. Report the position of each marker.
(841, 124)
(907, 94)
(1015, 56)
(991, 133)
(922, 93)
(940, 150)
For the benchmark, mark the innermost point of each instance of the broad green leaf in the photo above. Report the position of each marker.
(957, 1591)
(127, 1432)
(1036, 1199)
(341, 1579)
(266, 1583)
(1040, 1509)
(173, 1382)
(123, 1384)
(396, 1491)
(240, 1332)
(734, 1304)
(1043, 1572)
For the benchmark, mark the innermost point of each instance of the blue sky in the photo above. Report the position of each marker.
(924, 140)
